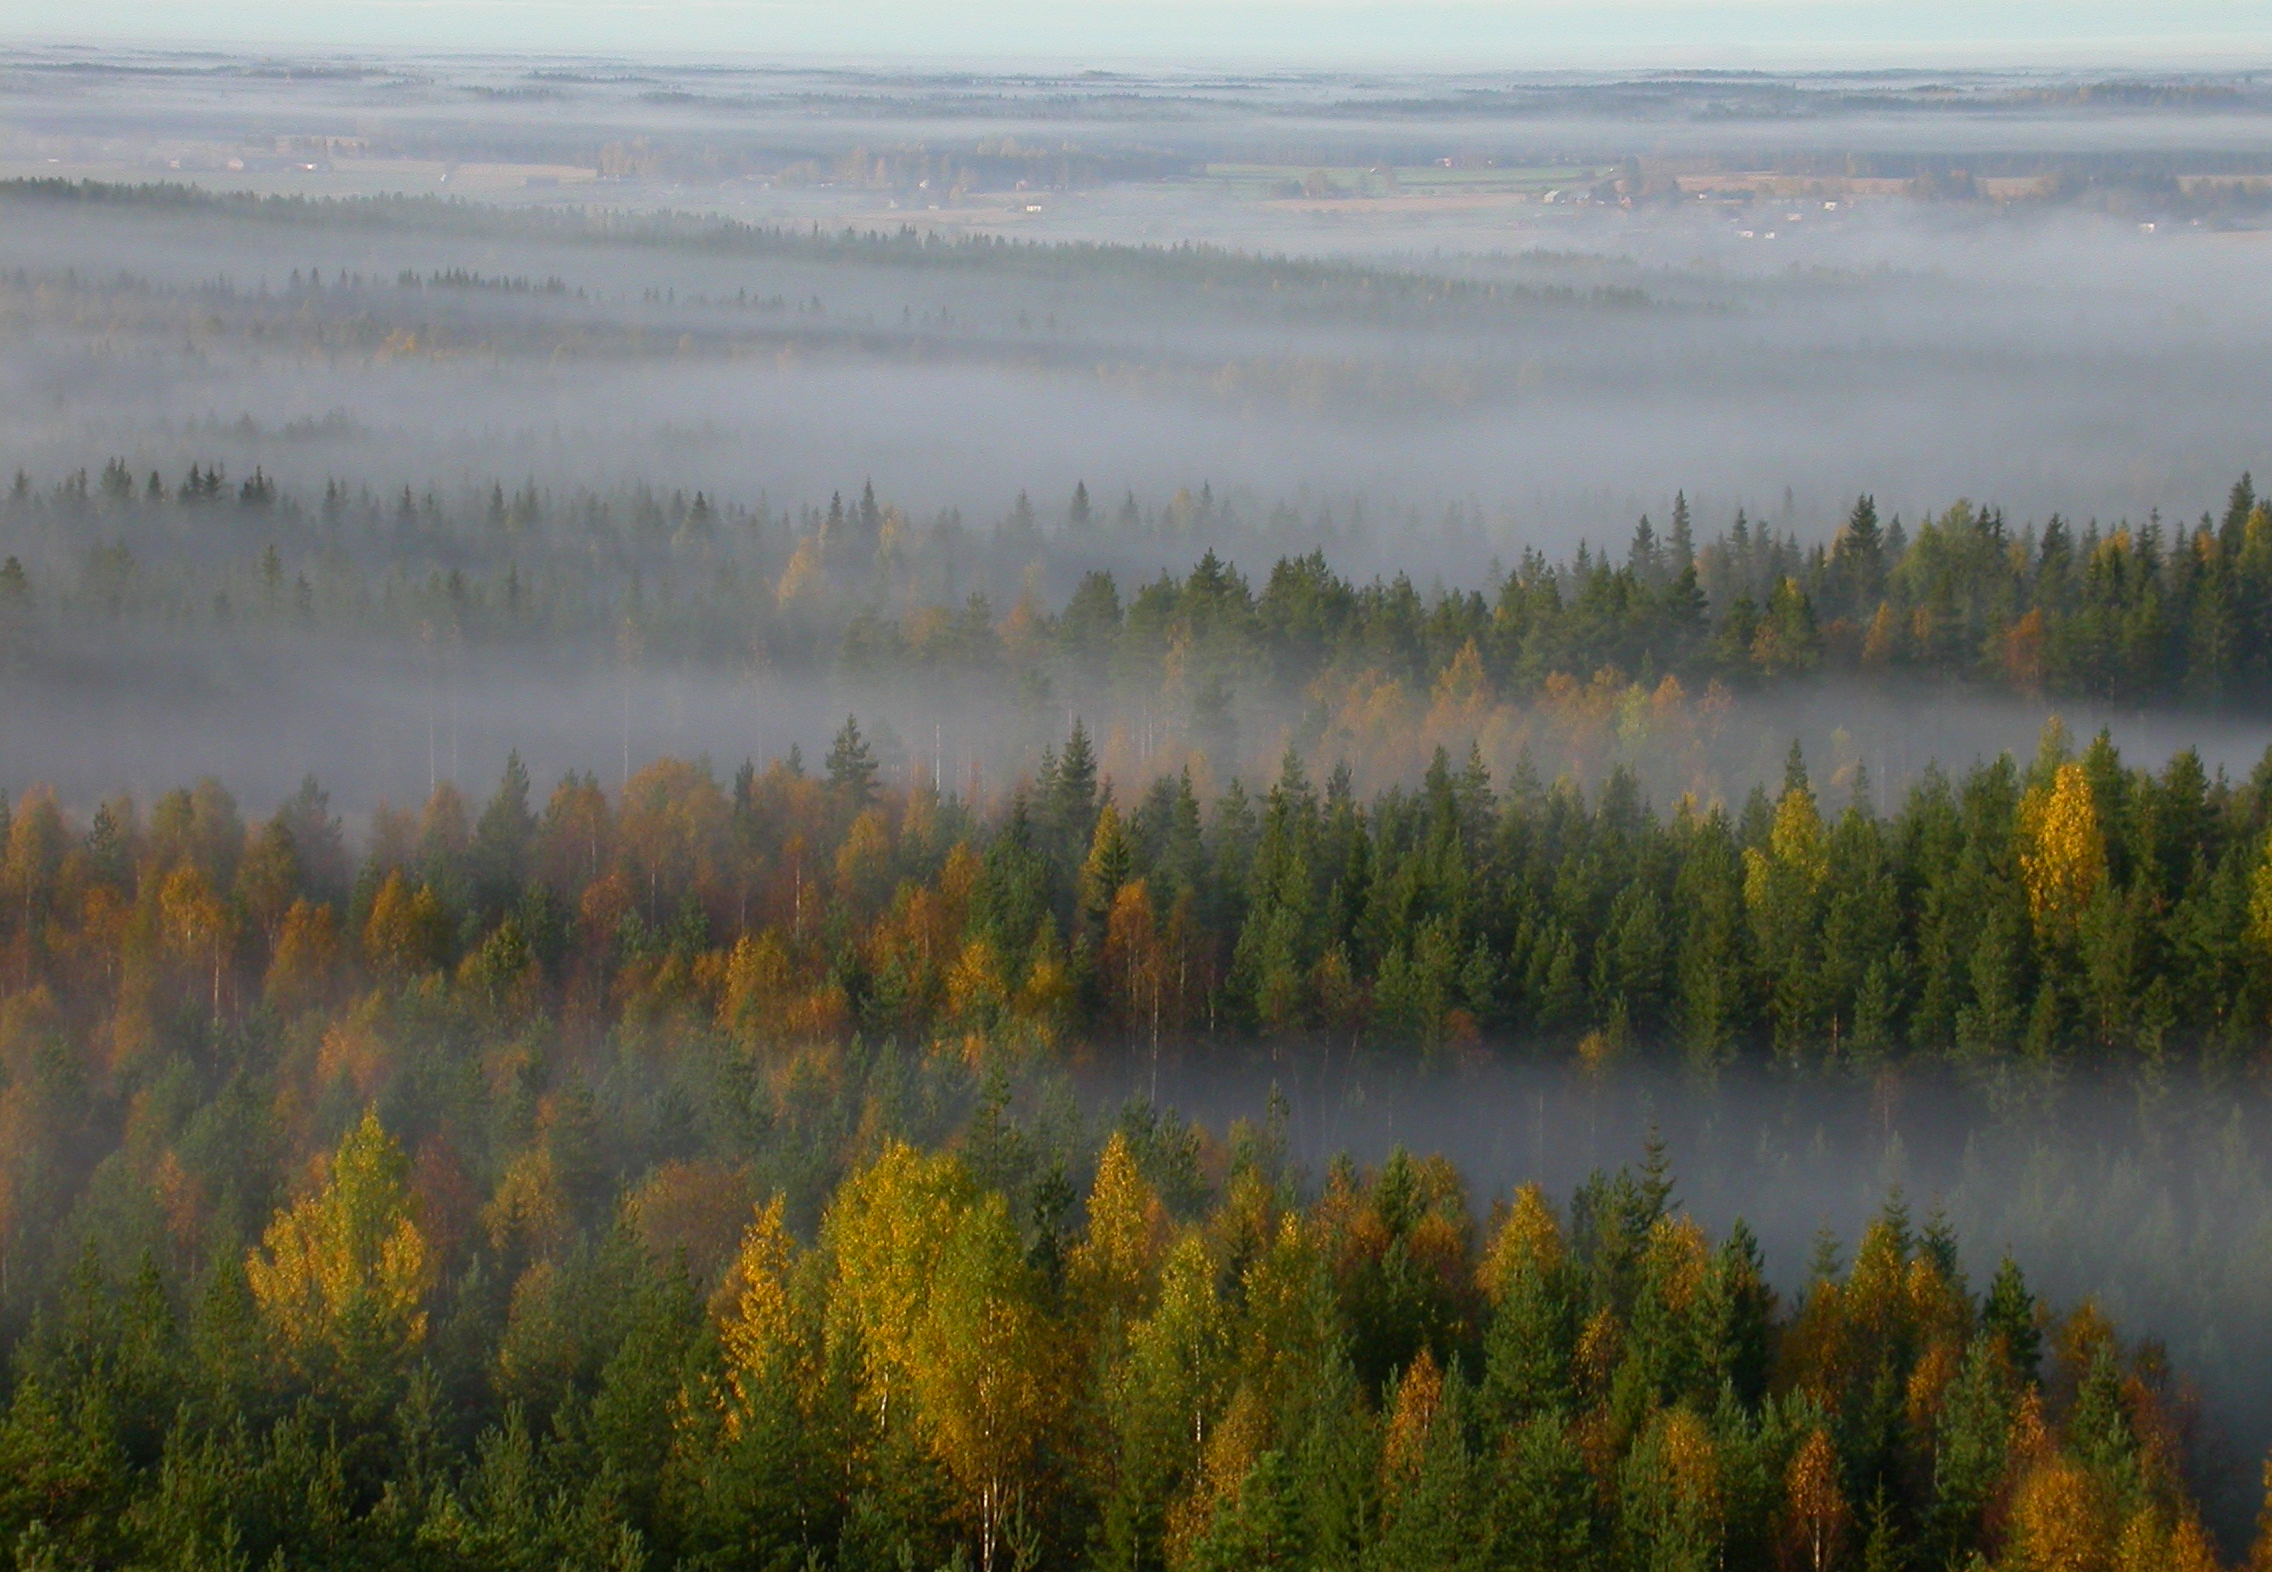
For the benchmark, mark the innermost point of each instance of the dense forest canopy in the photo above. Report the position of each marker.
(636, 1179)
(2072, 910)
(971, 1361)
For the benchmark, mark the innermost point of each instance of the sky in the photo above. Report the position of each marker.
(2113, 34)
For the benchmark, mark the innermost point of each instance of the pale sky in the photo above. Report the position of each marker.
(1477, 34)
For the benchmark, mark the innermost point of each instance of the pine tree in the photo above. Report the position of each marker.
(1532, 1334)
(851, 767)
(1070, 798)
(1670, 1503)
(1105, 871)
(502, 839)
(2009, 1316)
(1713, 962)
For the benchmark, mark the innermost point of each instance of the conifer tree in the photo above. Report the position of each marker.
(851, 767)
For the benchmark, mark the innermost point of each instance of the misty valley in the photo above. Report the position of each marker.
(878, 818)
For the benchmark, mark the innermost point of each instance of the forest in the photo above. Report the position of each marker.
(1015, 855)
(2172, 614)
(1191, 1375)
(687, 1176)
(908, 819)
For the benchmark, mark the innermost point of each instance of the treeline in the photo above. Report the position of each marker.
(970, 1361)
(2179, 615)
(2075, 911)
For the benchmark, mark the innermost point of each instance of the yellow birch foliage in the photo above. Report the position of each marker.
(1133, 957)
(1278, 1326)
(306, 959)
(529, 1204)
(191, 913)
(976, 988)
(1180, 1355)
(1225, 1464)
(2059, 1520)
(1601, 1343)
(1928, 1384)
(2190, 1549)
(758, 978)
(804, 576)
(758, 1333)
(863, 861)
(2260, 1553)
(1045, 999)
(1676, 1259)
(1530, 1239)
(1672, 1489)
(1691, 1460)
(349, 1261)
(1115, 1267)
(1815, 1506)
(1419, 1394)
(2063, 860)
(2260, 900)
(1797, 852)
(1105, 869)
(1462, 698)
(889, 1228)
(2149, 1543)
(981, 1358)
(406, 929)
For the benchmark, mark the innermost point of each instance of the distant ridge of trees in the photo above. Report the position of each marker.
(2171, 614)
(1183, 263)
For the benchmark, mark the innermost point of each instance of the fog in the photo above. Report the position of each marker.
(1423, 325)
(383, 722)
(2150, 1196)
(1803, 337)
(1766, 293)
(2038, 361)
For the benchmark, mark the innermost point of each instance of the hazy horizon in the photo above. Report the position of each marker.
(2120, 35)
